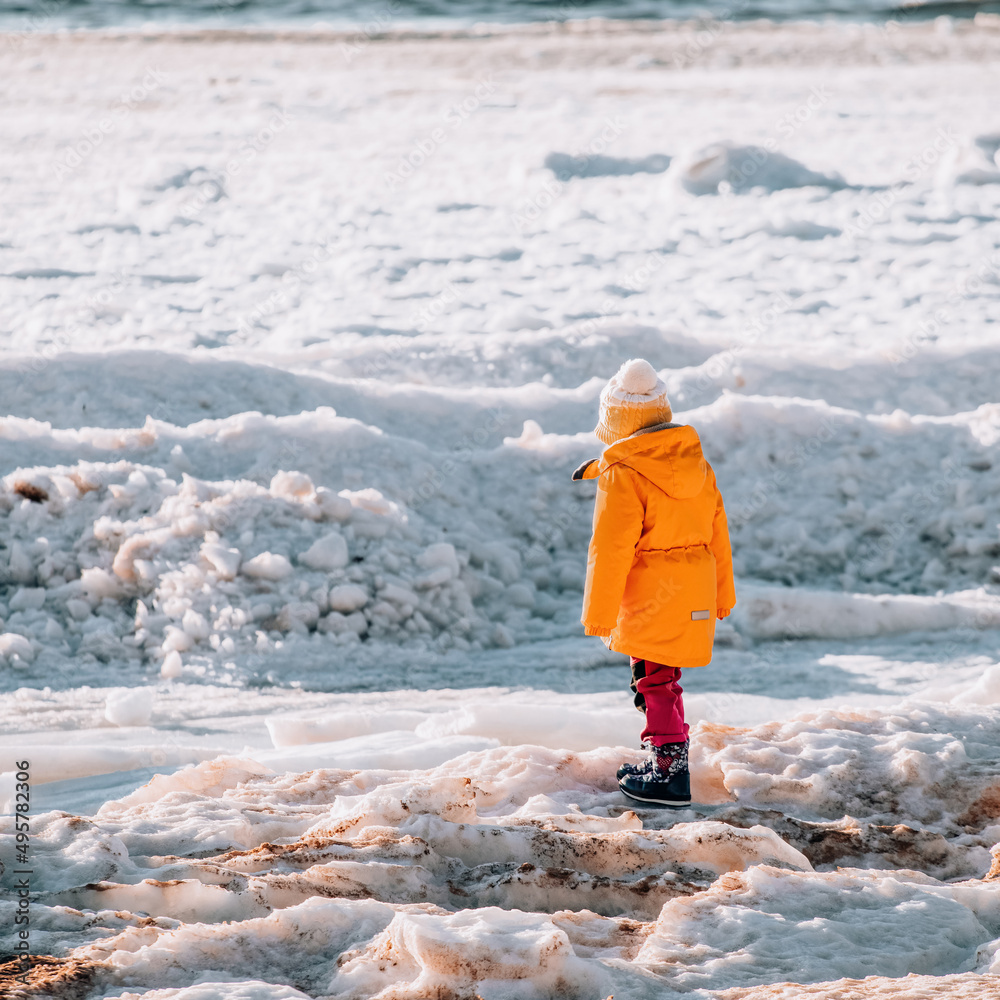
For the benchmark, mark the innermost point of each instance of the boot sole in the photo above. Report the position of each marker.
(669, 803)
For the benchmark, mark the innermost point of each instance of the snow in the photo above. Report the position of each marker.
(327, 553)
(130, 706)
(742, 168)
(318, 874)
(269, 566)
(292, 561)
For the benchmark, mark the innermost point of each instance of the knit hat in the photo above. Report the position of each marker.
(636, 397)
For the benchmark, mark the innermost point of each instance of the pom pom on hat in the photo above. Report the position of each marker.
(637, 377)
(636, 397)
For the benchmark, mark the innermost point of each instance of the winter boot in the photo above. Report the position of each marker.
(642, 767)
(666, 781)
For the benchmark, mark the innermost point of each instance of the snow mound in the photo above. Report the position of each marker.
(130, 558)
(820, 926)
(785, 923)
(733, 167)
(347, 942)
(782, 613)
(130, 706)
(975, 161)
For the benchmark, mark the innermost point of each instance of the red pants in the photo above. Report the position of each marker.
(658, 694)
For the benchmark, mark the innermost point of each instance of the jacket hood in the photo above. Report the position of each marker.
(668, 455)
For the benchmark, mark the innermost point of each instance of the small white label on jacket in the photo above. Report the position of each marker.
(698, 616)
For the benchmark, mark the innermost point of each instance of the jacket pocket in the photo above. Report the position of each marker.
(667, 593)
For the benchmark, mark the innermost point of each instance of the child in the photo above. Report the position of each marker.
(659, 568)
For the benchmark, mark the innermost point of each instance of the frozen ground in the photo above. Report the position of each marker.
(301, 339)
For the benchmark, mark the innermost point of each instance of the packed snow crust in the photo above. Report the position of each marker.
(298, 359)
(837, 845)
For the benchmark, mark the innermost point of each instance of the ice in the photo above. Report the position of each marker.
(971, 162)
(16, 649)
(534, 838)
(225, 562)
(538, 839)
(504, 953)
(742, 168)
(819, 927)
(187, 547)
(326, 553)
(172, 665)
(268, 566)
(130, 706)
(772, 613)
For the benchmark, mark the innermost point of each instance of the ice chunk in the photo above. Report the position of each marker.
(501, 637)
(268, 566)
(399, 595)
(27, 599)
(195, 624)
(78, 609)
(297, 616)
(336, 623)
(130, 706)
(327, 553)
(14, 645)
(531, 435)
(99, 583)
(371, 500)
(490, 949)
(503, 559)
(333, 506)
(520, 595)
(433, 578)
(438, 556)
(20, 565)
(176, 639)
(347, 597)
(226, 562)
(172, 665)
(292, 485)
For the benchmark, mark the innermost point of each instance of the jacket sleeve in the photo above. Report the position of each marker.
(618, 517)
(724, 589)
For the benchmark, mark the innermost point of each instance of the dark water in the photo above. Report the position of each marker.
(387, 14)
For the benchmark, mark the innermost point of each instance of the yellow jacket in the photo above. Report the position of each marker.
(659, 566)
